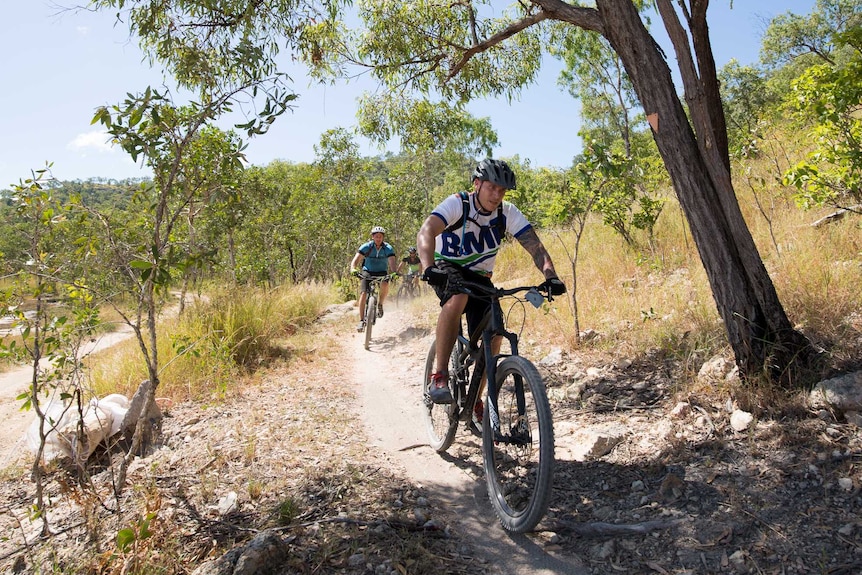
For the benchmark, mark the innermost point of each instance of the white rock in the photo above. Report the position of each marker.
(227, 503)
(740, 420)
(681, 410)
(714, 369)
(555, 357)
(595, 443)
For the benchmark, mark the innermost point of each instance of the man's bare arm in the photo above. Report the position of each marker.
(531, 242)
(431, 228)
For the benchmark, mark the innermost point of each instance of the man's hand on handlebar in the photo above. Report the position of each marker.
(554, 286)
(435, 276)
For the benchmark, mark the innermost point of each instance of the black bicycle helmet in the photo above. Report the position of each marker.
(495, 171)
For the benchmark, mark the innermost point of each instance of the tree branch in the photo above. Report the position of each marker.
(497, 38)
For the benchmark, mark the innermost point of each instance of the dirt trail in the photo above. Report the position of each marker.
(390, 375)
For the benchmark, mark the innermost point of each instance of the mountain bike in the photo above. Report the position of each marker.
(409, 288)
(370, 302)
(517, 427)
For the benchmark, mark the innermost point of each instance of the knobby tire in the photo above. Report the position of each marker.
(519, 469)
(441, 419)
(370, 318)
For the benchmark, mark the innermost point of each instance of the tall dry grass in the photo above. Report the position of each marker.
(657, 297)
(217, 343)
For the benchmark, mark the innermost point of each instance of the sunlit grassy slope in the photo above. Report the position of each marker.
(658, 298)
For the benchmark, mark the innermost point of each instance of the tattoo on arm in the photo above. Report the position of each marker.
(531, 242)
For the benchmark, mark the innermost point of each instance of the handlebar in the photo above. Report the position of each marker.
(468, 287)
(365, 275)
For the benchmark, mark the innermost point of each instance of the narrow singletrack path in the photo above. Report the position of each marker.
(388, 380)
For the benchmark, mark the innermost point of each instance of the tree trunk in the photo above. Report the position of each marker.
(762, 338)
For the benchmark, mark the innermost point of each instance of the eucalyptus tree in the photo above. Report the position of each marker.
(426, 131)
(221, 57)
(612, 118)
(187, 167)
(49, 338)
(809, 38)
(595, 76)
(266, 195)
(831, 174)
(561, 200)
(747, 101)
(209, 181)
(825, 99)
(467, 50)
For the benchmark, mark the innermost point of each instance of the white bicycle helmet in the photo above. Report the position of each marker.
(377, 230)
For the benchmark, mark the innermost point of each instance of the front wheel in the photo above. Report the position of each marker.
(370, 318)
(519, 461)
(402, 293)
(441, 419)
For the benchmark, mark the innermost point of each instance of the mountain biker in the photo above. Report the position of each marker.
(461, 237)
(378, 259)
(412, 262)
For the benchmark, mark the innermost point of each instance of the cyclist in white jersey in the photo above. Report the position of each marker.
(449, 243)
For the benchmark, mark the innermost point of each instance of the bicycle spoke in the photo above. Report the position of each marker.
(519, 461)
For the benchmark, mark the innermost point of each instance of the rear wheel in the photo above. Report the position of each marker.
(441, 419)
(370, 318)
(519, 462)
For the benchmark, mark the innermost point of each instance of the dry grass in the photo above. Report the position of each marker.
(660, 299)
(217, 344)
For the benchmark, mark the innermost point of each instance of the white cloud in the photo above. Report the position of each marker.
(98, 141)
(82, 30)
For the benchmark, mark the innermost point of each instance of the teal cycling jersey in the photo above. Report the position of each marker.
(376, 259)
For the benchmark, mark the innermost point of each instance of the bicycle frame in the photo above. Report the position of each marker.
(373, 282)
(489, 328)
(517, 424)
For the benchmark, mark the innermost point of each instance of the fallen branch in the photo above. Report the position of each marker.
(835, 216)
(600, 528)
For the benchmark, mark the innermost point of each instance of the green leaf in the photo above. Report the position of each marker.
(125, 539)
(141, 265)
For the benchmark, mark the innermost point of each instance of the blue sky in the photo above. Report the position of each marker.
(58, 67)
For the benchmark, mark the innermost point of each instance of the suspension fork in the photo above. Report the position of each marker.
(495, 328)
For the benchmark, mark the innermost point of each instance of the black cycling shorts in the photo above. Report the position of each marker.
(476, 307)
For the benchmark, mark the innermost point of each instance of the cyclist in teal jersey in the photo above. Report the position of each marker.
(378, 259)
